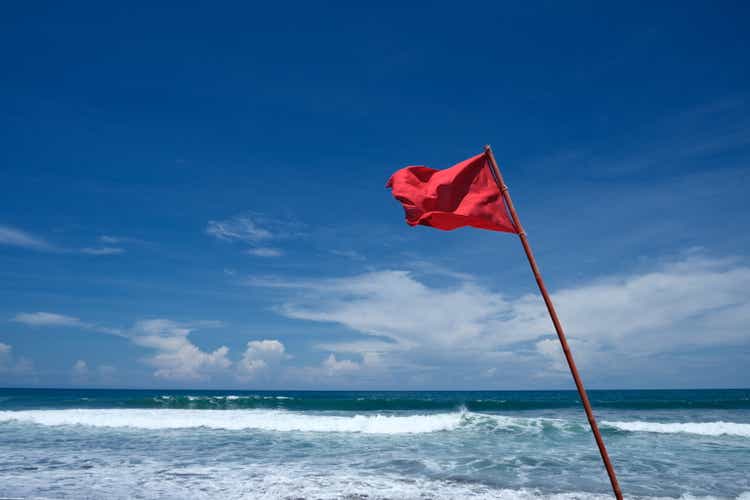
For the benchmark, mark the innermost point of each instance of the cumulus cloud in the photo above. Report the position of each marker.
(80, 372)
(11, 236)
(260, 357)
(5, 354)
(333, 366)
(694, 301)
(176, 357)
(12, 365)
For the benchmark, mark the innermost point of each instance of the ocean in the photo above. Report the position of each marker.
(113, 444)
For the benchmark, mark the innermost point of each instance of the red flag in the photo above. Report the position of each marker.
(463, 195)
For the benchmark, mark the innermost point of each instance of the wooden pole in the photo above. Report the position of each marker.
(555, 321)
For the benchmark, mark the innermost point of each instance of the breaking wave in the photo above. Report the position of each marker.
(698, 428)
(287, 421)
(270, 420)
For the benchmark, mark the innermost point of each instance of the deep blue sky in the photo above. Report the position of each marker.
(193, 195)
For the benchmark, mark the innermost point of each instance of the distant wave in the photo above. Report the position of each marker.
(379, 401)
(394, 403)
(699, 428)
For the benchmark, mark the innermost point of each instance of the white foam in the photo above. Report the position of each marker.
(701, 428)
(285, 421)
(272, 420)
(264, 482)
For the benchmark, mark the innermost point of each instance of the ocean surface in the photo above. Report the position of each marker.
(114, 444)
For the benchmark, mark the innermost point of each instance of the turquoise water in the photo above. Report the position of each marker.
(370, 445)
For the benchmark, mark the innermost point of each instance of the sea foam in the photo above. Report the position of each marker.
(700, 428)
(286, 421)
(271, 420)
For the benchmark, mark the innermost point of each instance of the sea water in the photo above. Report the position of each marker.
(370, 445)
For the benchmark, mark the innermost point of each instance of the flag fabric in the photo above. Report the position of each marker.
(463, 195)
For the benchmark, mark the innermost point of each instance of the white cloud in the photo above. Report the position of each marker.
(113, 240)
(80, 372)
(5, 356)
(349, 254)
(47, 319)
(334, 367)
(15, 237)
(238, 228)
(658, 310)
(102, 250)
(265, 252)
(42, 318)
(695, 301)
(11, 236)
(393, 304)
(176, 357)
(358, 346)
(254, 230)
(12, 365)
(260, 357)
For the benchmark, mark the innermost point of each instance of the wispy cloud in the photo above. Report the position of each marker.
(703, 131)
(254, 230)
(110, 240)
(102, 250)
(349, 254)
(11, 236)
(45, 319)
(238, 228)
(265, 252)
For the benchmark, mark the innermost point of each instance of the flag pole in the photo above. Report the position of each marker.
(555, 321)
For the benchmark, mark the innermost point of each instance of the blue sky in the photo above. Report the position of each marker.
(194, 196)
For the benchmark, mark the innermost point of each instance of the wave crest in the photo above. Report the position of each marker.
(287, 421)
(719, 428)
(271, 420)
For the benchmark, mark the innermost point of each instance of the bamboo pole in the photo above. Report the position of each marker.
(555, 321)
